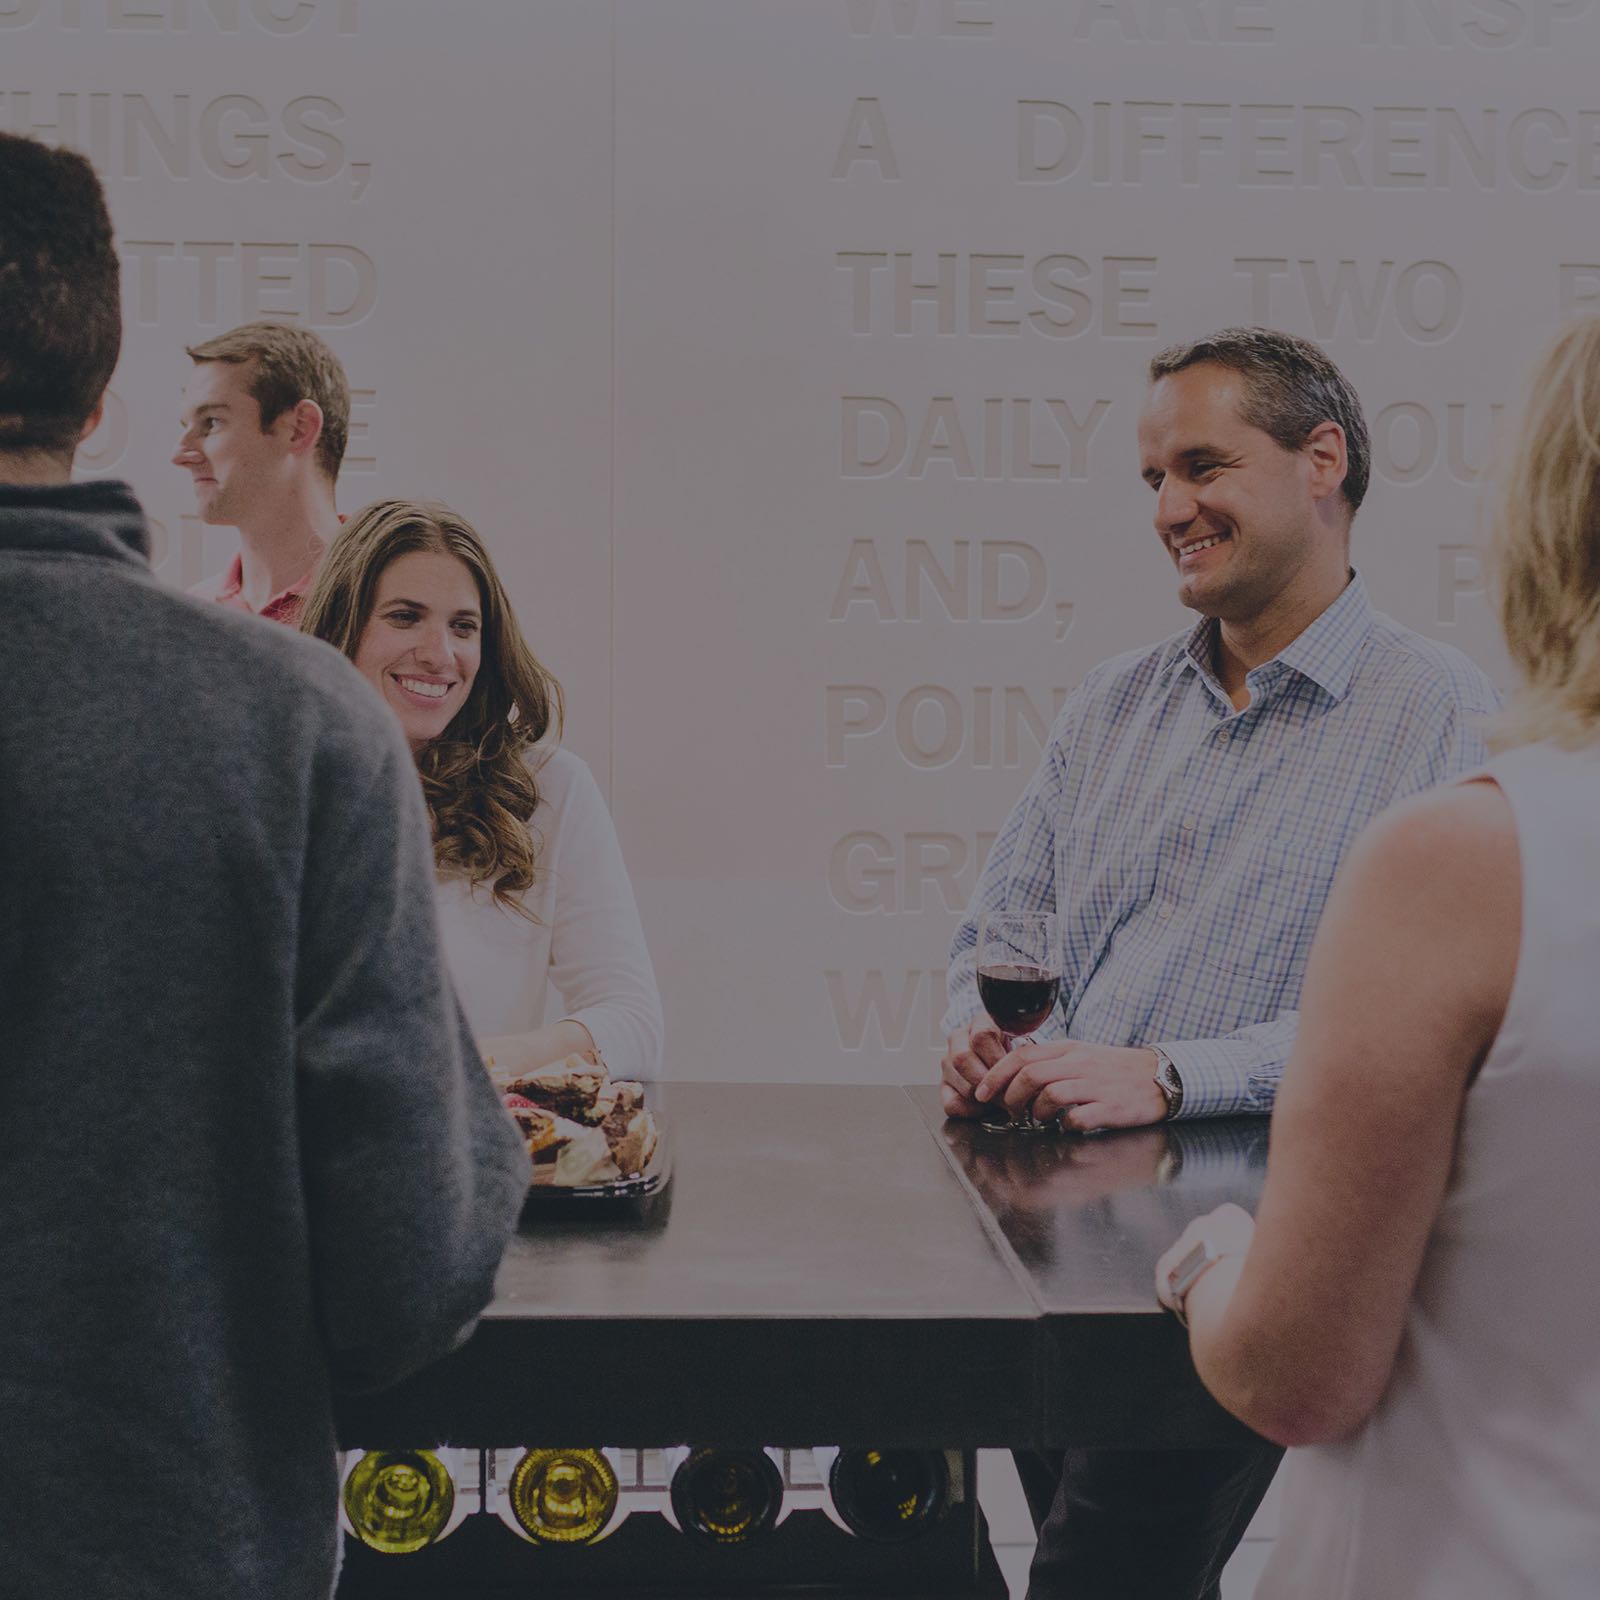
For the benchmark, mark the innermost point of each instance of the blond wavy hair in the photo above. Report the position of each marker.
(1545, 547)
(480, 789)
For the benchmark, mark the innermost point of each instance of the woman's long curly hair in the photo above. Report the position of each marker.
(1545, 547)
(480, 789)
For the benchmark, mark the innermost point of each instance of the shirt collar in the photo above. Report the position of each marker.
(1325, 652)
(233, 586)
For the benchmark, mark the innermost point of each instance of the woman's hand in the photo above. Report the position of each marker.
(1228, 1230)
(514, 1055)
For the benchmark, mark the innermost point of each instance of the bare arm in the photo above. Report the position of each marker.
(1407, 986)
(511, 1055)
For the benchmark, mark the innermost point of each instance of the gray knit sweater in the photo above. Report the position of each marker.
(247, 1151)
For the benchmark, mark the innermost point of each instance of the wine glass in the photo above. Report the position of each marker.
(1019, 981)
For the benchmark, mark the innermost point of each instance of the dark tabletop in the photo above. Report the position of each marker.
(1085, 1218)
(837, 1264)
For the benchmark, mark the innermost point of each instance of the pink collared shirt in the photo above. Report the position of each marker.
(228, 590)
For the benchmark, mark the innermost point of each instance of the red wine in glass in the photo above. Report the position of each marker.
(1019, 982)
(1017, 996)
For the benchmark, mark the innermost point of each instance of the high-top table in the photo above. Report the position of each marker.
(830, 1266)
(838, 1264)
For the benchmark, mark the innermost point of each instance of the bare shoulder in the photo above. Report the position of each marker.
(1460, 840)
(1435, 885)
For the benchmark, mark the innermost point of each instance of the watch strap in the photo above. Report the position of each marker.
(1168, 1080)
(1201, 1257)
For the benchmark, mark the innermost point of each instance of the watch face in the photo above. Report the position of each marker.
(1170, 1085)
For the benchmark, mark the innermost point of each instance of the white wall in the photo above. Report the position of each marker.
(619, 279)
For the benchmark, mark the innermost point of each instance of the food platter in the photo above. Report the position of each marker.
(589, 1137)
(651, 1180)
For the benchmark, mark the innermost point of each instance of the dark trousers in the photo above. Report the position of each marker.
(1140, 1524)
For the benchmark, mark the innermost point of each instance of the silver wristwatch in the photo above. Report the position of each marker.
(1168, 1081)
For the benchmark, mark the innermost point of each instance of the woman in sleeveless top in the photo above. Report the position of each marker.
(1414, 1308)
(531, 888)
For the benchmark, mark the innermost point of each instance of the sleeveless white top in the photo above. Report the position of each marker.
(1478, 1476)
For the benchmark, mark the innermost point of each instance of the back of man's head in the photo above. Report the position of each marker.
(285, 365)
(60, 298)
(1290, 387)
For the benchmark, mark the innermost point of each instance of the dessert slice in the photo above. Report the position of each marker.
(584, 1158)
(571, 1089)
(627, 1096)
(537, 1126)
(632, 1136)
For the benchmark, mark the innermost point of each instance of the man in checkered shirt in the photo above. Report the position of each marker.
(1185, 823)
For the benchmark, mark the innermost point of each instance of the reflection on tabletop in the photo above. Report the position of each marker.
(1070, 1169)
(1088, 1214)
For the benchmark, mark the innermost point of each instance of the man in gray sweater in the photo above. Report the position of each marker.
(248, 1154)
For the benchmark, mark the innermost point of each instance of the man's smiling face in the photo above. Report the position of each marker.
(1234, 509)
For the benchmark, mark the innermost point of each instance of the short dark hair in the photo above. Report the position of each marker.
(60, 297)
(289, 365)
(1290, 388)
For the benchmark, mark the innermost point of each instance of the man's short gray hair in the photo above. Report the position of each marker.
(1290, 388)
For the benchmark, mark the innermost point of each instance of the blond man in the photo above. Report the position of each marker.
(266, 415)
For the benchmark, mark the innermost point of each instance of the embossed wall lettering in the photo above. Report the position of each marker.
(886, 1010)
(930, 726)
(869, 871)
(231, 136)
(361, 450)
(1409, 439)
(1186, 21)
(204, 17)
(218, 281)
(1057, 295)
(998, 439)
(988, 580)
(1460, 575)
(103, 451)
(180, 558)
(1578, 286)
(947, 19)
(874, 284)
(1426, 300)
(866, 141)
(1486, 24)
(1538, 148)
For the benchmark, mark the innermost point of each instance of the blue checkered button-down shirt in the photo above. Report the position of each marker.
(1188, 848)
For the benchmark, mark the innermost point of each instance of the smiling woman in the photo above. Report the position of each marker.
(532, 890)
(423, 640)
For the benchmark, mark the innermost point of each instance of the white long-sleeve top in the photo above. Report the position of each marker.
(588, 944)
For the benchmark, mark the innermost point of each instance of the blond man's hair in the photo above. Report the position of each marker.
(288, 365)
